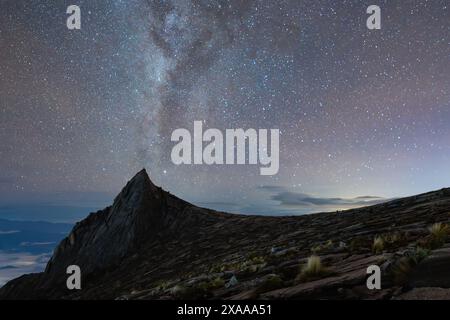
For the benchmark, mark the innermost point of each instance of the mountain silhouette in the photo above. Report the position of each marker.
(152, 245)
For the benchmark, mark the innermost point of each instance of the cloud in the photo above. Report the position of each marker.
(13, 265)
(301, 199)
(306, 202)
(271, 188)
(281, 201)
(7, 268)
(8, 232)
(368, 197)
(32, 244)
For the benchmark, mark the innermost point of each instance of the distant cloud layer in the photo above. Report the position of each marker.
(26, 246)
(301, 199)
(283, 201)
(8, 232)
(13, 265)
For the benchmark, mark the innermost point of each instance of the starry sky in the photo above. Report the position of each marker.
(362, 113)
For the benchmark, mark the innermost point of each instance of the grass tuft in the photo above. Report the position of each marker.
(439, 233)
(404, 266)
(322, 247)
(378, 245)
(313, 270)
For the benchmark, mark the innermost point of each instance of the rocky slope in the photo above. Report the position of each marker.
(152, 245)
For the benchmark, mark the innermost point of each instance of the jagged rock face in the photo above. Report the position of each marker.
(140, 213)
(105, 237)
(148, 236)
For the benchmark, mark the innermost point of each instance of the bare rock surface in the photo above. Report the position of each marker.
(426, 294)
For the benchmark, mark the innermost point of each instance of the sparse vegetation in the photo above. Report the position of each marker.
(395, 240)
(387, 242)
(322, 247)
(359, 244)
(392, 238)
(252, 265)
(312, 270)
(200, 290)
(217, 283)
(418, 255)
(405, 265)
(272, 282)
(378, 245)
(162, 285)
(439, 233)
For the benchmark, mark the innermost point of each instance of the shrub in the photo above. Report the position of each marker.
(439, 233)
(437, 237)
(322, 247)
(312, 270)
(378, 245)
(418, 255)
(313, 265)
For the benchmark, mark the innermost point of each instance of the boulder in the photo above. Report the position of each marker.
(434, 271)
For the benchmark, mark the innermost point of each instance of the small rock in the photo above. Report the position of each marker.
(233, 281)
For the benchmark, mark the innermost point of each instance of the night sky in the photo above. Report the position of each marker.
(362, 113)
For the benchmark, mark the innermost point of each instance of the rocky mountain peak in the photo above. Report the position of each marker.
(105, 237)
(137, 188)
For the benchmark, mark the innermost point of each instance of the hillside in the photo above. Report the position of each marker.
(152, 245)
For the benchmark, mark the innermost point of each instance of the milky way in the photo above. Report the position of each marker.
(361, 112)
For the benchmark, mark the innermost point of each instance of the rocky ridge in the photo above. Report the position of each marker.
(152, 245)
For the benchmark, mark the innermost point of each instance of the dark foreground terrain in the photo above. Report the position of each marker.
(151, 245)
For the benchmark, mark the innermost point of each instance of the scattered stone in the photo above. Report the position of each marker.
(232, 282)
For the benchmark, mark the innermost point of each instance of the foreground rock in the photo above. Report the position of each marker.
(152, 245)
(434, 271)
(426, 294)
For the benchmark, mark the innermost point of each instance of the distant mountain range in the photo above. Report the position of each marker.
(152, 245)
